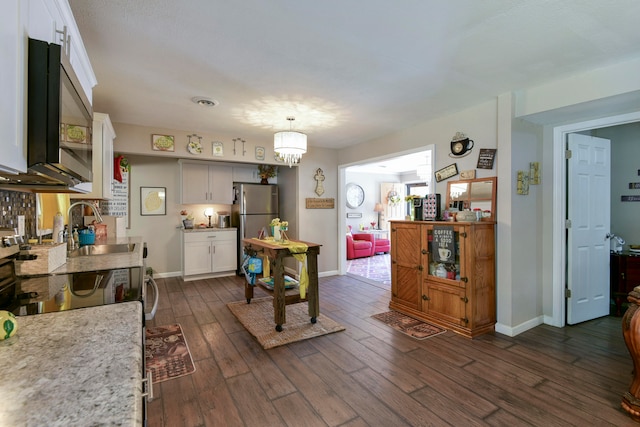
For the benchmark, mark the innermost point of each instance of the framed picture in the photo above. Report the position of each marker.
(218, 149)
(259, 153)
(163, 142)
(447, 172)
(153, 201)
(486, 158)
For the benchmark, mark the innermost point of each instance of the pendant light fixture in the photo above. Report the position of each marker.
(290, 145)
(423, 171)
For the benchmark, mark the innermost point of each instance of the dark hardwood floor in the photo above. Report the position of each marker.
(371, 375)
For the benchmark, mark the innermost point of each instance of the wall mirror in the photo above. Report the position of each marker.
(477, 193)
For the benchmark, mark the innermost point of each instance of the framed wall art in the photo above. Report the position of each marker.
(447, 172)
(218, 149)
(486, 158)
(163, 142)
(153, 201)
(259, 153)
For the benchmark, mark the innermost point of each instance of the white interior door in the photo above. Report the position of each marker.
(589, 213)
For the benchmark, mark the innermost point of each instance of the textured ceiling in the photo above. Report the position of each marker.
(348, 71)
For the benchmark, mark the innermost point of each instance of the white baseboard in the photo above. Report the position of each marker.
(513, 331)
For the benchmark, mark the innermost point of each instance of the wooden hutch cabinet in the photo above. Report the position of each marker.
(444, 273)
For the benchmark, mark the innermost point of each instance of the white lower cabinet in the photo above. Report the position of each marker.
(209, 253)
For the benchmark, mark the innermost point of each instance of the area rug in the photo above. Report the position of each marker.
(377, 268)
(408, 325)
(166, 353)
(257, 318)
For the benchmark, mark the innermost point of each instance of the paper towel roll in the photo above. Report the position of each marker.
(58, 227)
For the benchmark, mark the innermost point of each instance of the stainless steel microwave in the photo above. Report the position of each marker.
(59, 118)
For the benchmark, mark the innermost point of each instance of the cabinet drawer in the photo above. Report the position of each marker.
(209, 236)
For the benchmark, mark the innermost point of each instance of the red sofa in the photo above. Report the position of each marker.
(360, 245)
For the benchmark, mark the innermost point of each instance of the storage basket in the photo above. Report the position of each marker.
(86, 237)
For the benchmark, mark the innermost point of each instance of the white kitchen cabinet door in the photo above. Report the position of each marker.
(195, 183)
(12, 87)
(221, 185)
(225, 255)
(53, 22)
(102, 162)
(197, 257)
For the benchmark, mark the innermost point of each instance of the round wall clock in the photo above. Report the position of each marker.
(355, 195)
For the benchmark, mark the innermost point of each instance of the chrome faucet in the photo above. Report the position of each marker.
(71, 244)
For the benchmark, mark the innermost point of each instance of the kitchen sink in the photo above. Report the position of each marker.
(90, 250)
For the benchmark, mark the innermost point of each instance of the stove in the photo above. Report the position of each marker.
(49, 293)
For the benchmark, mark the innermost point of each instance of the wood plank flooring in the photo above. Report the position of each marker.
(371, 375)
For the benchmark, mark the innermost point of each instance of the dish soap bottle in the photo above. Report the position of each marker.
(76, 238)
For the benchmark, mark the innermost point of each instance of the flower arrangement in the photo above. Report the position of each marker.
(410, 197)
(282, 224)
(267, 171)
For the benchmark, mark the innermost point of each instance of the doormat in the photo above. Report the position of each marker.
(409, 326)
(166, 353)
(257, 318)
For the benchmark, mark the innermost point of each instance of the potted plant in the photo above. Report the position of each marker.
(266, 172)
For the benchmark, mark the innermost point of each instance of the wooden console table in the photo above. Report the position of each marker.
(277, 254)
(624, 276)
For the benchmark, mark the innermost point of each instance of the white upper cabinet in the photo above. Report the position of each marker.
(206, 183)
(48, 20)
(12, 87)
(102, 161)
(52, 21)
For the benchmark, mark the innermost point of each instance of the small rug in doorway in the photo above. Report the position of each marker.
(166, 353)
(257, 318)
(408, 325)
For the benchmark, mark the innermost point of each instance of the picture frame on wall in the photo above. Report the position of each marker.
(446, 172)
(153, 201)
(163, 142)
(486, 158)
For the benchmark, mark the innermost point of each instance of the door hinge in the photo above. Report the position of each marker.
(567, 293)
(567, 154)
(567, 223)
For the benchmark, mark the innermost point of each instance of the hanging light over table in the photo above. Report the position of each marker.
(290, 145)
(423, 171)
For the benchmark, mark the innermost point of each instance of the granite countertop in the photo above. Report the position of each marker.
(199, 230)
(107, 261)
(77, 367)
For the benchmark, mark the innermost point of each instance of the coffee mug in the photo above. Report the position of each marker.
(444, 253)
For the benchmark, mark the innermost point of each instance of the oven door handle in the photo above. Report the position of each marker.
(149, 280)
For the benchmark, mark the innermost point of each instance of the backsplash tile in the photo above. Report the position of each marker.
(14, 203)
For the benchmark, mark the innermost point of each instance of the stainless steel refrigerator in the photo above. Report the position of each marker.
(254, 206)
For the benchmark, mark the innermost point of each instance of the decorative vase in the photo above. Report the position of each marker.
(264, 180)
(276, 233)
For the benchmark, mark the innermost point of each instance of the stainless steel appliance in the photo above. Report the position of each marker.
(254, 206)
(59, 124)
(50, 293)
(224, 220)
